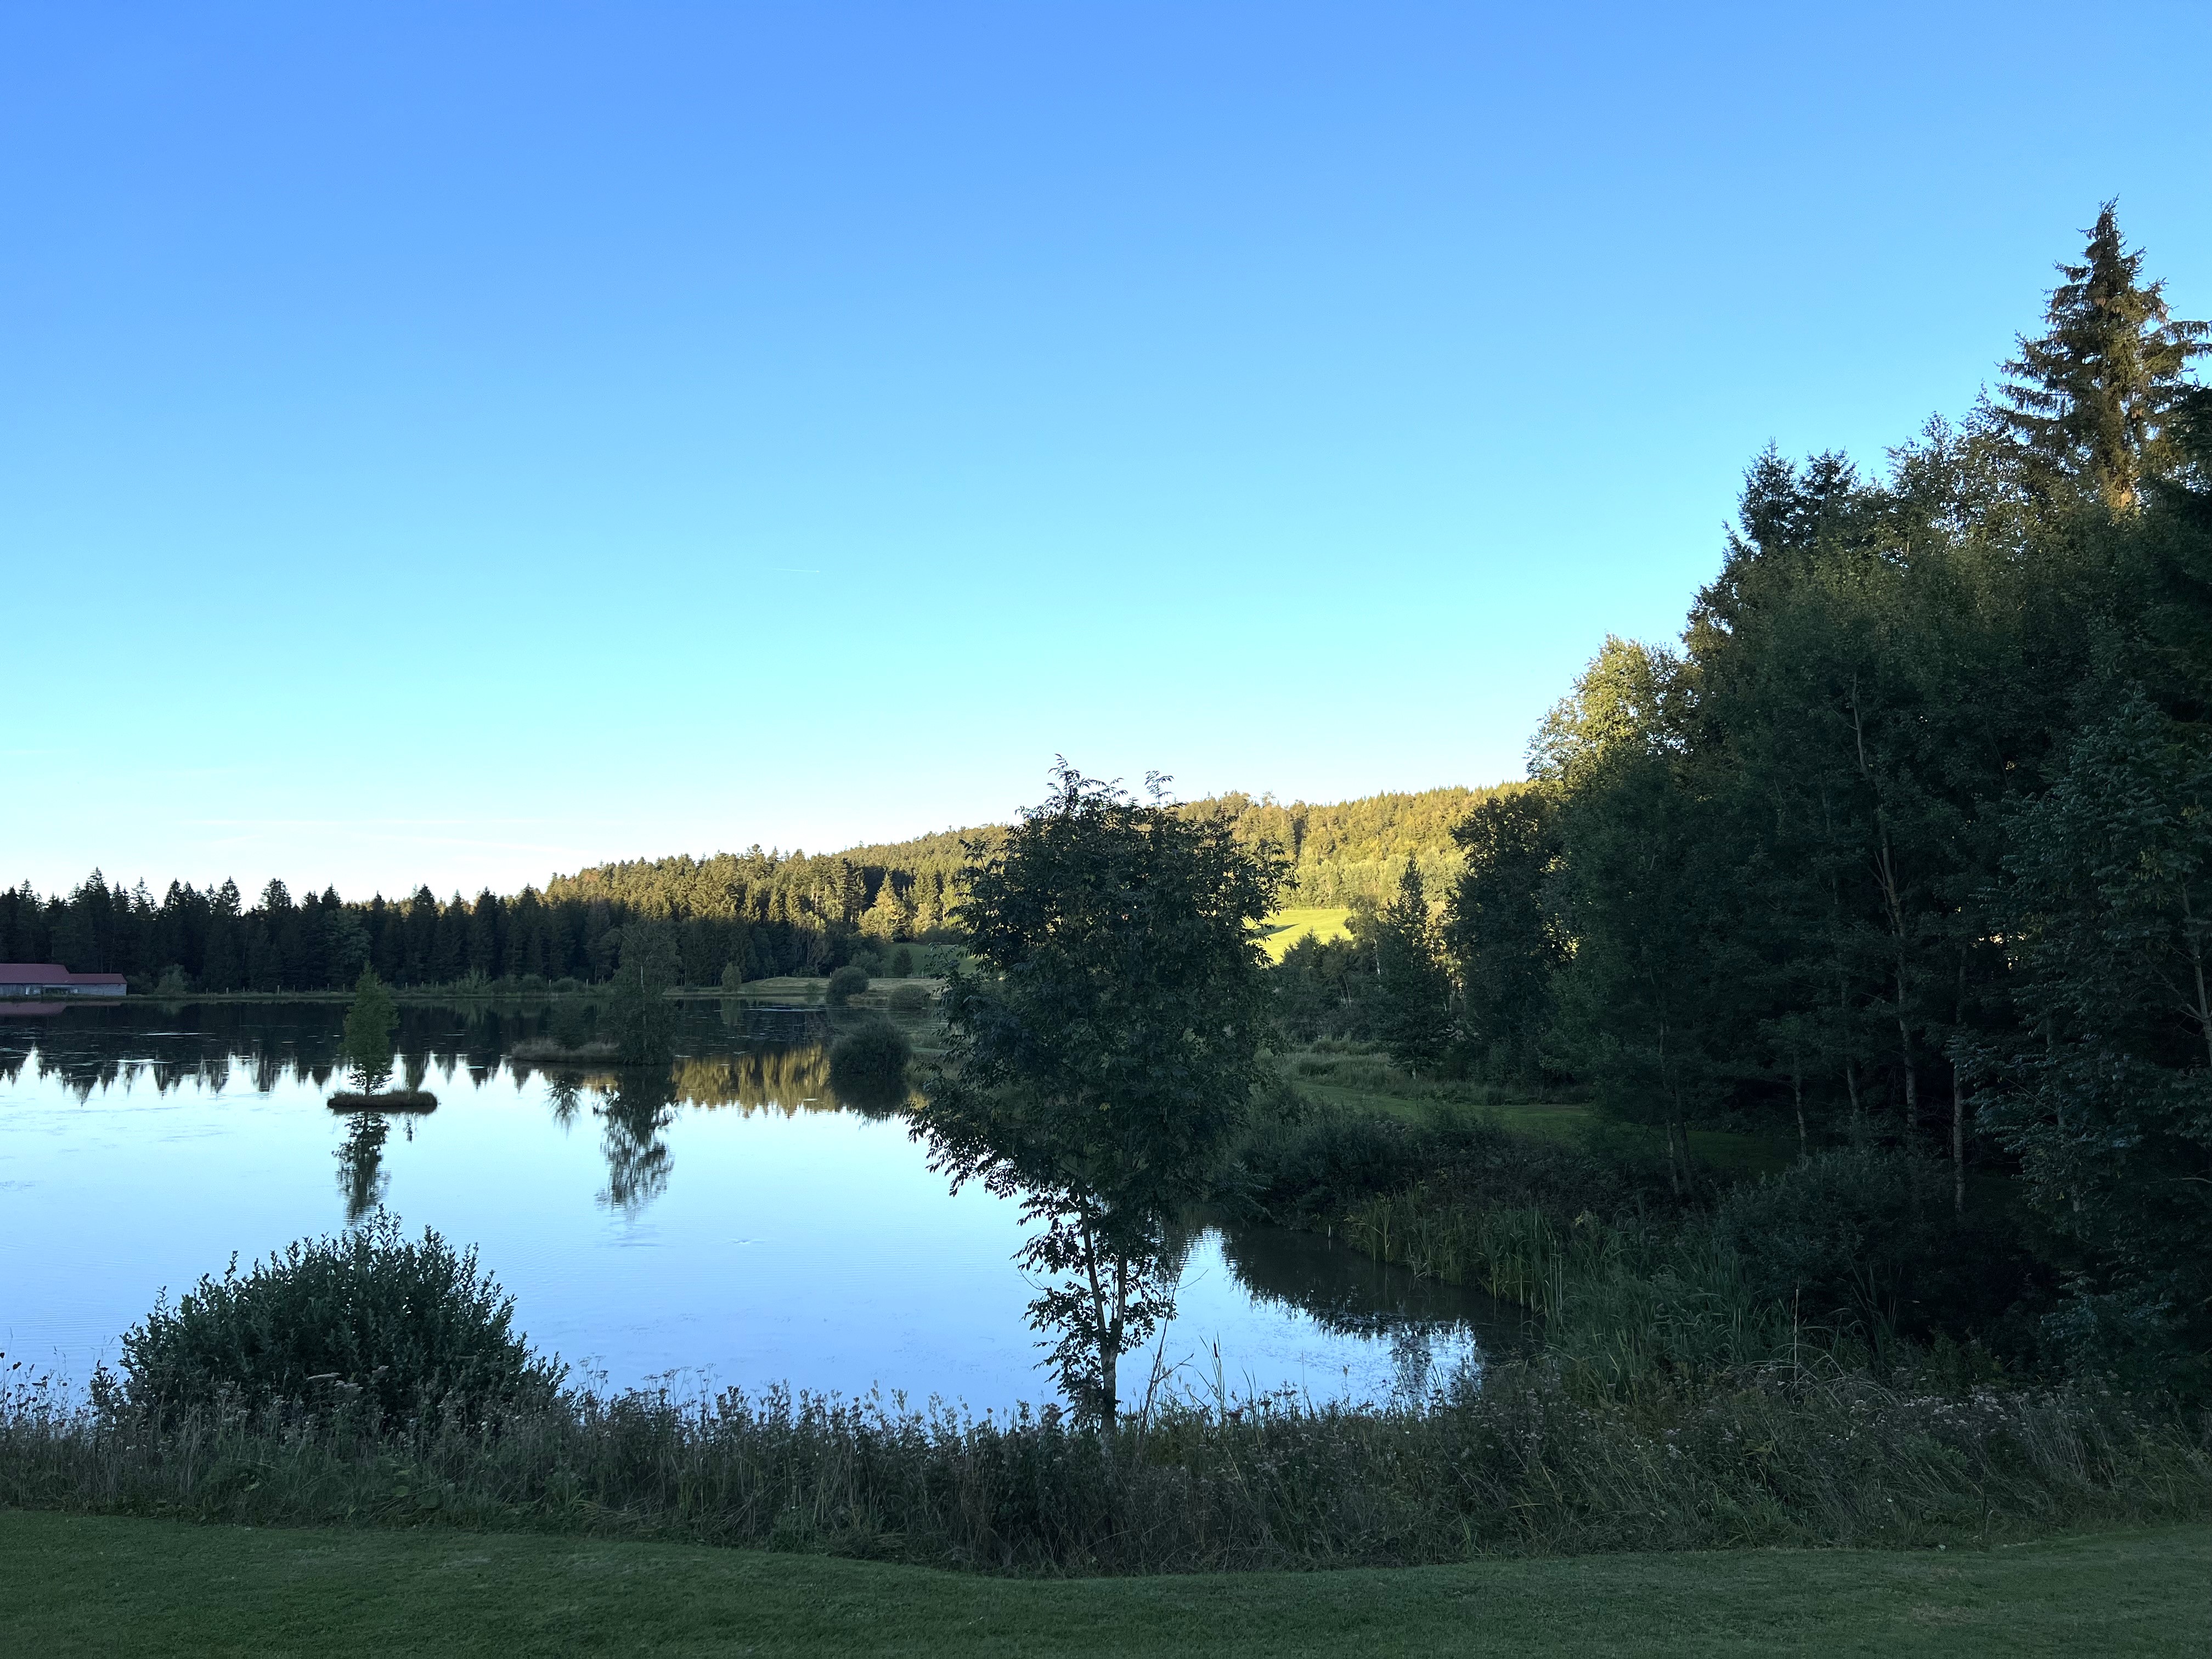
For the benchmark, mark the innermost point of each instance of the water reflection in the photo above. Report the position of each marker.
(361, 1164)
(783, 1231)
(634, 1112)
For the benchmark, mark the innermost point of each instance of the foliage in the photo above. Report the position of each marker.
(1350, 854)
(644, 1019)
(369, 1023)
(1502, 931)
(1311, 1165)
(1327, 988)
(361, 1164)
(400, 1326)
(1863, 1239)
(845, 984)
(1522, 1463)
(2092, 399)
(1899, 847)
(760, 913)
(632, 1115)
(2108, 901)
(1638, 895)
(1413, 991)
(1102, 1066)
(867, 1065)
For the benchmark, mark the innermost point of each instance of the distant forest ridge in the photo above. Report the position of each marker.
(757, 913)
(1346, 853)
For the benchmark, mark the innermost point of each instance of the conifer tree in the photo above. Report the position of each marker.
(369, 1023)
(1502, 928)
(1415, 1016)
(2093, 399)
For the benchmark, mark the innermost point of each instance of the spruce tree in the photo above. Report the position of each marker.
(369, 1023)
(1415, 1017)
(2094, 400)
(1502, 928)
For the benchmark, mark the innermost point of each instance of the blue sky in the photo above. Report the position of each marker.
(456, 442)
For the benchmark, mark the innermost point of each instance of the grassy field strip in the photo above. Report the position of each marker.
(72, 1584)
(1286, 927)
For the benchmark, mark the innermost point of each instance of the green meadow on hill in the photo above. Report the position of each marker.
(1284, 928)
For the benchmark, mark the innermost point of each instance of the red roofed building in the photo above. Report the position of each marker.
(50, 979)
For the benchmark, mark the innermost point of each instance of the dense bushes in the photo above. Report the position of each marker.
(1866, 1237)
(1306, 1163)
(366, 1318)
(1854, 1253)
(845, 984)
(867, 1065)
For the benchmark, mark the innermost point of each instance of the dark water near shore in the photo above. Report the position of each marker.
(730, 1222)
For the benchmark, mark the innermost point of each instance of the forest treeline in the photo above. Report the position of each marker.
(778, 917)
(760, 913)
(1907, 841)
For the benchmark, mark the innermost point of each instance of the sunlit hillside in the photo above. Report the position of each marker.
(1340, 854)
(1286, 927)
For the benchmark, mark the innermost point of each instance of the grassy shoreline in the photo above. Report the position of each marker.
(1520, 1463)
(72, 1584)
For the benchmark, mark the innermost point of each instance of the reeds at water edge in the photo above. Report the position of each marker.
(1521, 1460)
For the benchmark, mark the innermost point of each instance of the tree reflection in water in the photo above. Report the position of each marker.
(1348, 1293)
(564, 1091)
(361, 1164)
(633, 1112)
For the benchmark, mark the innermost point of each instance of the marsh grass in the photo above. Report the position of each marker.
(552, 1050)
(1522, 1462)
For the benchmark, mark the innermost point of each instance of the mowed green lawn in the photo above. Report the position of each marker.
(1286, 927)
(79, 1585)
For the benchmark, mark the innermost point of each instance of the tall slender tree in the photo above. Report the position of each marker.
(2092, 399)
(1415, 1012)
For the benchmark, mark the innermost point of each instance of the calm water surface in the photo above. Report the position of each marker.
(734, 1224)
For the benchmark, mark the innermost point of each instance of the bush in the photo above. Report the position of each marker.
(867, 1066)
(399, 1326)
(847, 982)
(1316, 1166)
(1318, 1163)
(909, 999)
(1865, 1237)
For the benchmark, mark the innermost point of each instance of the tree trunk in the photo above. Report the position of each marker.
(1959, 1108)
(1892, 899)
(2195, 946)
(1109, 1358)
(1108, 1331)
(1958, 1145)
(1108, 1401)
(1905, 1058)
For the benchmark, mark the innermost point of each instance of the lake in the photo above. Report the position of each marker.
(730, 1223)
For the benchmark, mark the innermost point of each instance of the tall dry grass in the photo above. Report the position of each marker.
(1519, 1461)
